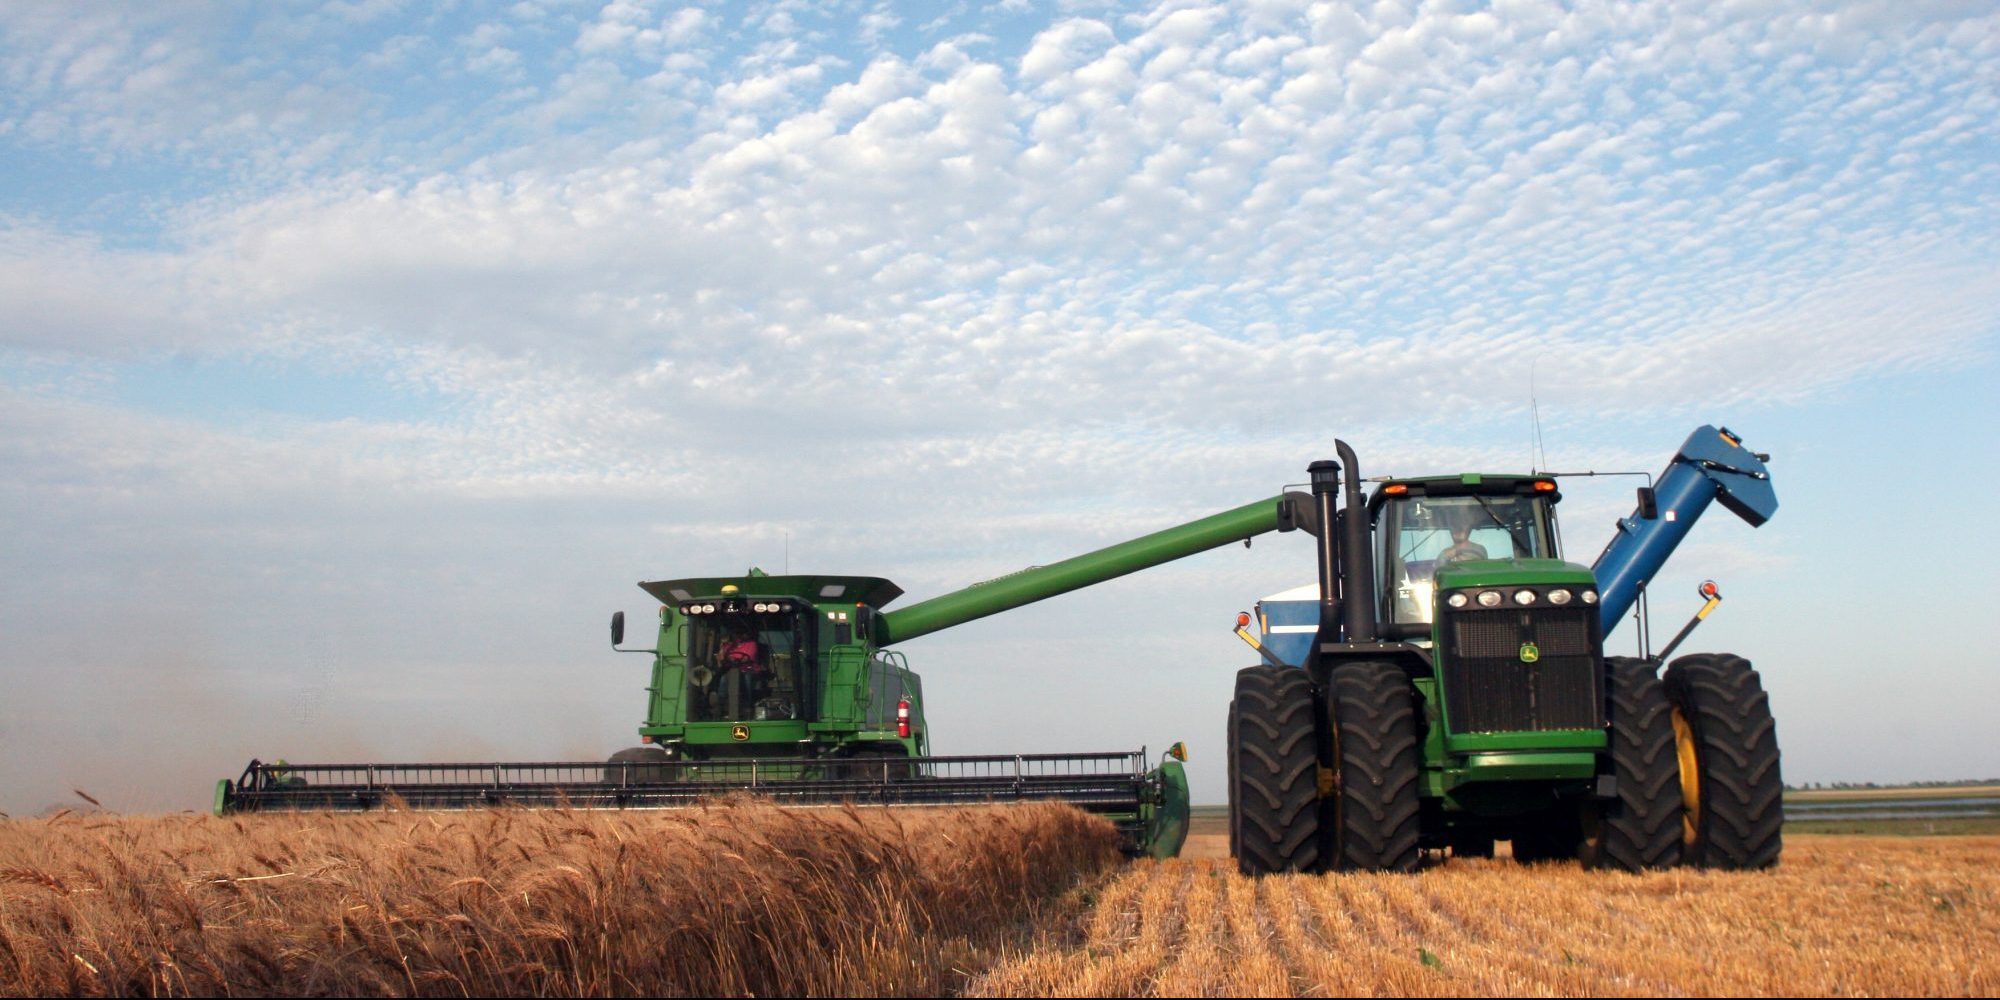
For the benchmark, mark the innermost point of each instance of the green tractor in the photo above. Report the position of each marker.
(1445, 686)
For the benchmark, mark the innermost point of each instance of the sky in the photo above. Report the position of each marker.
(357, 358)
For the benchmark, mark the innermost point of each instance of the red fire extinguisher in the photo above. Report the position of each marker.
(903, 718)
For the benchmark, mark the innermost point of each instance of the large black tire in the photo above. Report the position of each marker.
(1641, 828)
(636, 765)
(1274, 790)
(1371, 819)
(1728, 740)
(1234, 813)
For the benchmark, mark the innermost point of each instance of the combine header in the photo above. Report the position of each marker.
(787, 687)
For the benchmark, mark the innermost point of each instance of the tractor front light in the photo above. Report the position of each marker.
(1558, 596)
(1524, 597)
(1489, 598)
(1590, 597)
(1458, 600)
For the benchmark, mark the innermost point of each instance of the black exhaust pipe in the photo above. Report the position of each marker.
(1356, 561)
(1325, 479)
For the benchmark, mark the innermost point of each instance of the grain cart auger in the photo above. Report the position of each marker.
(788, 686)
(1445, 686)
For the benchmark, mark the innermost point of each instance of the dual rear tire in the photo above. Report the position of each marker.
(1726, 743)
(1327, 779)
(1641, 827)
(1274, 772)
(1695, 757)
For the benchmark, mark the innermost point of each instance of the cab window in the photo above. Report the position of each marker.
(1418, 535)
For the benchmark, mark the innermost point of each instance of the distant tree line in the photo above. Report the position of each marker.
(1839, 785)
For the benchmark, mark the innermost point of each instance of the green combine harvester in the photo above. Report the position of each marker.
(788, 687)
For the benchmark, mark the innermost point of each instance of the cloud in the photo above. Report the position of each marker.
(647, 283)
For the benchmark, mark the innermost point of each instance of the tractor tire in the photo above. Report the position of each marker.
(1641, 828)
(1371, 819)
(1234, 812)
(1728, 750)
(1274, 787)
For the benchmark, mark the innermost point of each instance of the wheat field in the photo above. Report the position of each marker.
(749, 899)
(1842, 916)
(739, 899)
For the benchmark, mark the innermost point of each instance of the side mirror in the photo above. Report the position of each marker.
(617, 627)
(1649, 504)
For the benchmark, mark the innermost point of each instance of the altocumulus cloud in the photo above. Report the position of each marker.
(655, 283)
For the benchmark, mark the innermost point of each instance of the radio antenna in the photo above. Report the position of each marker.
(1539, 455)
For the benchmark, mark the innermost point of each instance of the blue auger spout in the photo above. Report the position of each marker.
(1711, 465)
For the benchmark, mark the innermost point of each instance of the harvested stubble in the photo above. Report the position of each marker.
(740, 898)
(1841, 916)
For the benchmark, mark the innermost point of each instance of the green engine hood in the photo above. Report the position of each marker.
(1512, 572)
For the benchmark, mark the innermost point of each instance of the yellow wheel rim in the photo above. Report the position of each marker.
(1690, 777)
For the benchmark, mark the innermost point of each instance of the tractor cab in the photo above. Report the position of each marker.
(1426, 525)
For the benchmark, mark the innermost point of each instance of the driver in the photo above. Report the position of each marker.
(740, 651)
(1463, 548)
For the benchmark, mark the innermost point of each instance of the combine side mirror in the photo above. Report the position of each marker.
(617, 627)
(1649, 504)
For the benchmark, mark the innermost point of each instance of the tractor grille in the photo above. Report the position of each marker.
(1487, 689)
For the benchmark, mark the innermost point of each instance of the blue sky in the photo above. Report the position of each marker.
(359, 356)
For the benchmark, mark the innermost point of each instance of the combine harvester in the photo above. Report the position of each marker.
(1445, 686)
(786, 686)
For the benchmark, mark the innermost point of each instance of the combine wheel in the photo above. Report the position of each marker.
(1641, 828)
(1371, 818)
(1274, 785)
(1728, 751)
(636, 765)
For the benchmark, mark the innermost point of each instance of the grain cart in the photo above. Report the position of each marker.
(1445, 686)
(788, 686)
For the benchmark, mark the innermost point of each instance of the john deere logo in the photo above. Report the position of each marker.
(739, 733)
(1530, 653)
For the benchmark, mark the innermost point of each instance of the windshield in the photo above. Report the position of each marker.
(747, 667)
(1419, 534)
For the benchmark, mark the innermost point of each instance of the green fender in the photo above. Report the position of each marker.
(1166, 815)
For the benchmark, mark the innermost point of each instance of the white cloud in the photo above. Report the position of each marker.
(709, 279)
